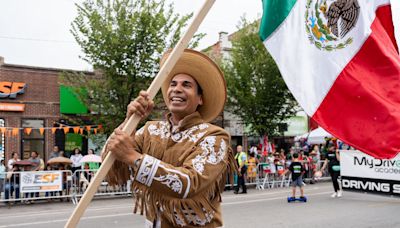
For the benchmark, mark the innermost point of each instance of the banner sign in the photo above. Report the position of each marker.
(362, 172)
(41, 181)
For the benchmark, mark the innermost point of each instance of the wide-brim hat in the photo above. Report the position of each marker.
(207, 74)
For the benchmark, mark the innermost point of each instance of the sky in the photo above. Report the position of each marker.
(36, 32)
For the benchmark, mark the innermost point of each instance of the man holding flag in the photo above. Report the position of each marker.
(340, 60)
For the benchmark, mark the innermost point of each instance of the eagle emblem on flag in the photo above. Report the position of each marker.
(328, 22)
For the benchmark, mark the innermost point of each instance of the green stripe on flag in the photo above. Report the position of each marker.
(275, 12)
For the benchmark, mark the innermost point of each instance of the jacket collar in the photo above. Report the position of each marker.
(186, 123)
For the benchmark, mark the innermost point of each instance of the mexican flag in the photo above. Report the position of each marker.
(340, 60)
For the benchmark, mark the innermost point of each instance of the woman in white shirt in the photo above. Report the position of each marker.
(76, 162)
(11, 161)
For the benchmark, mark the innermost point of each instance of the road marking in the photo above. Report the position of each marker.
(268, 199)
(64, 220)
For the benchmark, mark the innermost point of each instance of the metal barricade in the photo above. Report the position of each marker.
(269, 176)
(27, 187)
(82, 177)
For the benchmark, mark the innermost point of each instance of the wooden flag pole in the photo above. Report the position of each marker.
(133, 121)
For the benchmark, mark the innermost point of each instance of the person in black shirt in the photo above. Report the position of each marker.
(297, 170)
(332, 160)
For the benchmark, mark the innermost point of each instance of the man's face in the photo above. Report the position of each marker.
(55, 149)
(34, 154)
(183, 98)
(239, 149)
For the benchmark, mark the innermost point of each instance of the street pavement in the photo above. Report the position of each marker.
(265, 208)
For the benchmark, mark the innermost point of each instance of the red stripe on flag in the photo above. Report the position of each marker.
(363, 106)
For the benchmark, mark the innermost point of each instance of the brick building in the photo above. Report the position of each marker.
(29, 98)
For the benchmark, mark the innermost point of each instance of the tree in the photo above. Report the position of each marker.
(124, 40)
(256, 90)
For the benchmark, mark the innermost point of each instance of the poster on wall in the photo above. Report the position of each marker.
(362, 172)
(72, 141)
(41, 181)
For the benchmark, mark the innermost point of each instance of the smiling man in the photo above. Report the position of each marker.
(179, 164)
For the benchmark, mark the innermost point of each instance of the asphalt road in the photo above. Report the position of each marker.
(266, 208)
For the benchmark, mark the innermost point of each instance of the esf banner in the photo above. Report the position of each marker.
(41, 181)
(362, 172)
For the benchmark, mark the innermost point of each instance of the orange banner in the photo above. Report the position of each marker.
(11, 107)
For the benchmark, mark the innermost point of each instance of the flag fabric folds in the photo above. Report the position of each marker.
(340, 60)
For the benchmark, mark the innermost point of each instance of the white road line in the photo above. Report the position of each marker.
(64, 220)
(269, 199)
(48, 212)
(269, 193)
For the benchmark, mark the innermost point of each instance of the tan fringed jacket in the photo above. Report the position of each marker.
(182, 173)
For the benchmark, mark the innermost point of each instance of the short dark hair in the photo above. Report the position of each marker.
(199, 89)
(295, 155)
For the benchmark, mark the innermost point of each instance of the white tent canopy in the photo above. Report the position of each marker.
(316, 136)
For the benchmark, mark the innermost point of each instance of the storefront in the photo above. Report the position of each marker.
(31, 108)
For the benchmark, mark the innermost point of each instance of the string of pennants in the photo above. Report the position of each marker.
(15, 131)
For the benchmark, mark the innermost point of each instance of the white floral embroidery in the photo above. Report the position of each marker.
(194, 219)
(216, 158)
(140, 131)
(209, 155)
(162, 130)
(172, 181)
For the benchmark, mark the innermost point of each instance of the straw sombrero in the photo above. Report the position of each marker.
(208, 76)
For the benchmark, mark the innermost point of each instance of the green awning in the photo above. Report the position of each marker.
(69, 101)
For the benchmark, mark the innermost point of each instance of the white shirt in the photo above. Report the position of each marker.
(76, 160)
(11, 162)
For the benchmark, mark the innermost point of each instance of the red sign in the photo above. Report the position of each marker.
(10, 107)
(11, 89)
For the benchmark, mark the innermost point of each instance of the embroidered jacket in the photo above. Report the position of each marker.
(182, 173)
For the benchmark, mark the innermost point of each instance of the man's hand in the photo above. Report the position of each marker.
(141, 106)
(122, 146)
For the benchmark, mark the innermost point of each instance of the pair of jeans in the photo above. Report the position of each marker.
(10, 188)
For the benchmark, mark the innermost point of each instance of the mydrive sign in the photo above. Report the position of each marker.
(11, 89)
(362, 172)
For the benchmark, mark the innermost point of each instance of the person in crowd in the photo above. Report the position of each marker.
(35, 166)
(14, 158)
(61, 154)
(76, 162)
(66, 180)
(42, 165)
(2, 176)
(93, 165)
(332, 161)
(12, 183)
(55, 153)
(241, 159)
(52, 193)
(187, 157)
(279, 164)
(297, 170)
(252, 168)
(85, 177)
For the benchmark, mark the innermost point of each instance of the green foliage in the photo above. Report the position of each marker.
(256, 90)
(124, 41)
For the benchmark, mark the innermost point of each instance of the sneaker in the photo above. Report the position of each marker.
(340, 193)
(334, 195)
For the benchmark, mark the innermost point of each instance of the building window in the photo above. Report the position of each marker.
(34, 141)
(2, 140)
